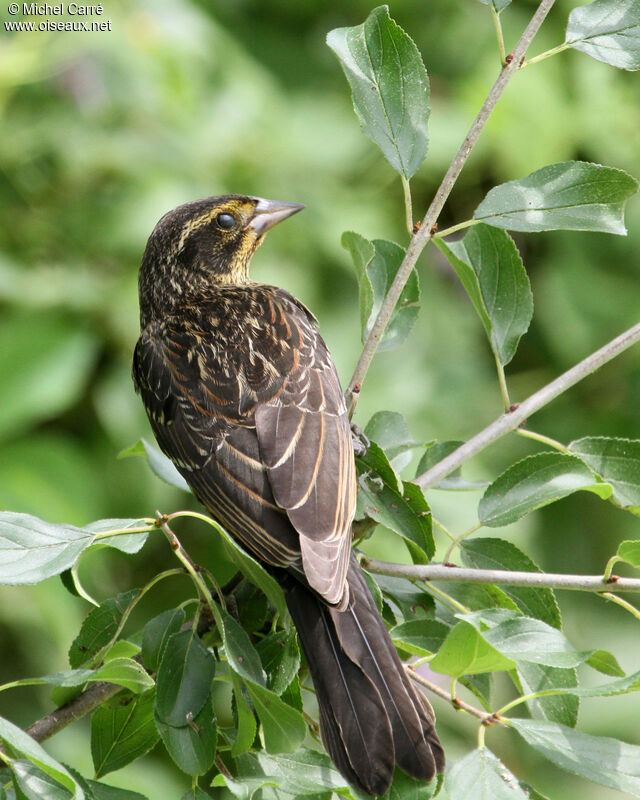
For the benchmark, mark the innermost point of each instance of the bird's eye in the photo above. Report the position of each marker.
(226, 221)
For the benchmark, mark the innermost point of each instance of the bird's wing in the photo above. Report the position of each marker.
(305, 442)
(256, 422)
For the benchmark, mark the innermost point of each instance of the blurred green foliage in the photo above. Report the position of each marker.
(104, 132)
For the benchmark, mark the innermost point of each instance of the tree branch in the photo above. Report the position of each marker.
(458, 704)
(537, 580)
(519, 414)
(424, 234)
(75, 709)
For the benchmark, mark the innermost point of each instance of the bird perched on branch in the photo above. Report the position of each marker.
(243, 397)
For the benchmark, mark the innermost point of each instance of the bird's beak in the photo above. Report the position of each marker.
(269, 213)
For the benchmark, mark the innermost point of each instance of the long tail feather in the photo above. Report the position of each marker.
(371, 716)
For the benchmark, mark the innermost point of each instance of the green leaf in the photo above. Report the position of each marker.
(247, 788)
(160, 464)
(123, 648)
(34, 784)
(99, 627)
(283, 727)
(121, 671)
(493, 553)
(390, 431)
(551, 678)
(292, 695)
(404, 787)
(608, 30)
(389, 87)
(102, 791)
(184, 679)
(375, 272)
(122, 729)
(608, 762)
(489, 266)
(375, 590)
(156, 633)
(397, 504)
(32, 550)
(629, 551)
(375, 467)
(305, 772)
(562, 708)
(66, 578)
(406, 598)
(192, 746)
(196, 793)
(531, 793)
(534, 482)
(127, 543)
(241, 654)
(481, 776)
(630, 683)
(466, 652)
(280, 656)
(420, 637)
(526, 639)
(254, 571)
(499, 5)
(606, 663)
(616, 461)
(6, 781)
(19, 744)
(246, 725)
(478, 596)
(573, 195)
(362, 252)
(125, 672)
(68, 678)
(252, 608)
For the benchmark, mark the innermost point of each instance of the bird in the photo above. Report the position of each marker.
(243, 396)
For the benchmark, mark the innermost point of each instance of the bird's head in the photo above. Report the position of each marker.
(204, 243)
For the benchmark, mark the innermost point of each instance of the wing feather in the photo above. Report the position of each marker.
(260, 431)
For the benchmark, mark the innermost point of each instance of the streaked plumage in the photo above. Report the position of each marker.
(243, 396)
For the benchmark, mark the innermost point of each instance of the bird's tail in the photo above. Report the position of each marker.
(371, 716)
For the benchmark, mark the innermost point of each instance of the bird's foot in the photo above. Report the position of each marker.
(359, 440)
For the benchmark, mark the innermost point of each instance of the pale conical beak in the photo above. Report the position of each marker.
(270, 212)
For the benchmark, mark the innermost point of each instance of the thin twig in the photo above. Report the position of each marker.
(622, 603)
(547, 54)
(424, 233)
(499, 36)
(519, 413)
(182, 556)
(408, 206)
(502, 381)
(75, 709)
(444, 694)
(539, 580)
(540, 437)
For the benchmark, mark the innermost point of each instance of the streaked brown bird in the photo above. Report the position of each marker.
(244, 398)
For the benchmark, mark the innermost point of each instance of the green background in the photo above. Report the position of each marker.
(104, 132)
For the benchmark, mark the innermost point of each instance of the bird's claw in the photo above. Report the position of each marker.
(359, 440)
